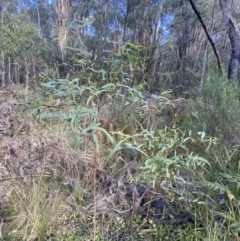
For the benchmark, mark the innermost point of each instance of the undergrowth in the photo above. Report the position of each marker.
(95, 160)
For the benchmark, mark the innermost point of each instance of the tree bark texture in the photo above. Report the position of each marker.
(62, 8)
(234, 36)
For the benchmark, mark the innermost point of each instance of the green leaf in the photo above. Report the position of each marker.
(91, 127)
(95, 139)
(117, 147)
(50, 84)
(81, 50)
(129, 146)
(109, 86)
(201, 159)
(106, 133)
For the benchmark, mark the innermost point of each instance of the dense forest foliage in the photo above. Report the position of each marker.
(170, 46)
(119, 120)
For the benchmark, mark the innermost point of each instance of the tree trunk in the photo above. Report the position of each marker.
(39, 24)
(234, 36)
(206, 49)
(62, 8)
(9, 72)
(208, 35)
(2, 52)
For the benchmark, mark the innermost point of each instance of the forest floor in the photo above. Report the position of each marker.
(47, 187)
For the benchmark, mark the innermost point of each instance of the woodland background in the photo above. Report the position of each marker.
(119, 120)
(175, 52)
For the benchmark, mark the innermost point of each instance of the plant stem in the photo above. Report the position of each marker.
(95, 194)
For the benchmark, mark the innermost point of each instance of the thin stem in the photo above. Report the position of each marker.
(95, 194)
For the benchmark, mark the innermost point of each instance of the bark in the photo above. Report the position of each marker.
(9, 72)
(27, 74)
(39, 23)
(62, 8)
(234, 36)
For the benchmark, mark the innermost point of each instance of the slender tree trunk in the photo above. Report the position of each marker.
(3, 69)
(62, 8)
(26, 66)
(208, 35)
(234, 36)
(2, 52)
(39, 23)
(206, 49)
(9, 72)
(16, 74)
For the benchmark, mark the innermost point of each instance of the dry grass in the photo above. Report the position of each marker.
(36, 166)
(47, 179)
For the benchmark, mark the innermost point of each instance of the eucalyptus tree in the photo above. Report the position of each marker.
(229, 14)
(207, 34)
(186, 53)
(62, 8)
(234, 36)
(183, 41)
(22, 47)
(5, 6)
(43, 16)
